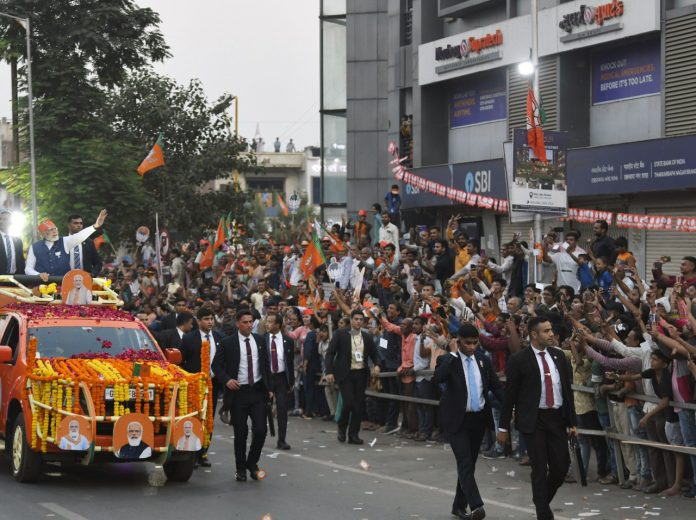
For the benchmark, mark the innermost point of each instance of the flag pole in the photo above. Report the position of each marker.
(537, 96)
(158, 251)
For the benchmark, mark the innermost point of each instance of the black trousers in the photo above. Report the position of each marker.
(352, 390)
(282, 397)
(249, 402)
(465, 444)
(547, 447)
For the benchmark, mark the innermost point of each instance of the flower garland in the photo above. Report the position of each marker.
(55, 383)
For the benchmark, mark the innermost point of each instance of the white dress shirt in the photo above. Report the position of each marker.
(242, 377)
(12, 267)
(555, 379)
(211, 341)
(280, 351)
(69, 244)
(471, 385)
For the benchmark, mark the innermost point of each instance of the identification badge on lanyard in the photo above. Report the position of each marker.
(358, 356)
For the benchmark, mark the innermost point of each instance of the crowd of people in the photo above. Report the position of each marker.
(393, 302)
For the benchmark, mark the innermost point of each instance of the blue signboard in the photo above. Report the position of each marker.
(659, 164)
(628, 72)
(482, 100)
(413, 197)
(482, 177)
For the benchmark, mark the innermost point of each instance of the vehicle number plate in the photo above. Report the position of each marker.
(109, 394)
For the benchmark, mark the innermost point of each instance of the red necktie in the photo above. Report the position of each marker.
(274, 355)
(547, 380)
(250, 363)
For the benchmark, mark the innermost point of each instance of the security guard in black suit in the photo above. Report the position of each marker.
(465, 413)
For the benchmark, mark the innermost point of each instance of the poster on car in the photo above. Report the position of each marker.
(537, 186)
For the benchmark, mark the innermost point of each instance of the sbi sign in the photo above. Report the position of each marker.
(478, 182)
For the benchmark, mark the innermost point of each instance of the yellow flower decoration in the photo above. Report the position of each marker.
(47, 290)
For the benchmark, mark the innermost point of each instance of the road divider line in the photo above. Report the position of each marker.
(61, 511)
(359, 471)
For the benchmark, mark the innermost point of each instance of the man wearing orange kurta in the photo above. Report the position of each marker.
(407, 378)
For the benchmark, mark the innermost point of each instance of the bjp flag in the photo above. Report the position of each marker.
(312, 259)
(219, 235)
(283, 207)
(154, 159)
(535, 134)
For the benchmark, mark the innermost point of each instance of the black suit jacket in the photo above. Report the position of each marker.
(226, 364)
(288, 357)
(454, 399)
(19, 257)
(340, 353)
(169, 338)
(523, 389)
(91, 261)
(191, 350)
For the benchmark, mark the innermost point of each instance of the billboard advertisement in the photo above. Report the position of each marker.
(625, 73)
(537, 187)
(480, 101)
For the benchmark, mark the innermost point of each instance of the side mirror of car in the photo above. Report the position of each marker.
(6, 354)
(173, 355)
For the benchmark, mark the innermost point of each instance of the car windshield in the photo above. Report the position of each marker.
(69, 341)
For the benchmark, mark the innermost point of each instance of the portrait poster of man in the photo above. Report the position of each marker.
(77, 288)
(188, 435)
(133, 437)
(75, 434)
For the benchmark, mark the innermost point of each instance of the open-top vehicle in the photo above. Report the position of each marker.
(88, 383)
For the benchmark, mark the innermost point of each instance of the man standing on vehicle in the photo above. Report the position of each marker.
(49, 256)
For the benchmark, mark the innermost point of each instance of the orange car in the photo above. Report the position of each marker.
(88, 383)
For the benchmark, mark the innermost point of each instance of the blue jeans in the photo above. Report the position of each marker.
(635, 414)
(687, 422)
(606, 424)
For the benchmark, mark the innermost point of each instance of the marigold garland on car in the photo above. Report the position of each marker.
(54, 384)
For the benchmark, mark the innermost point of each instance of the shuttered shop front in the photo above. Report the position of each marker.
(669, 243)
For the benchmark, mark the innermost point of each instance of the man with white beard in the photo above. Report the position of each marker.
(49, 256)
(79, 294)
(74, 440)
(190, 441)
(136, 448)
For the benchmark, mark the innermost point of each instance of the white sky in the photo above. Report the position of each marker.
(264, 51)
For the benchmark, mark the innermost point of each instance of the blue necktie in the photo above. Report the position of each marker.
(76, 258)
(474, 392)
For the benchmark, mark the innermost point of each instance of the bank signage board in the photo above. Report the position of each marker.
(486, 178)
(627, 72)
(655, 165)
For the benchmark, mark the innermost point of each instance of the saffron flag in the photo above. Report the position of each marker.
(154, 159)
(535, 134)
(219, 235)
(283, 206)
(207, 259)
(101, 240)
(312, 258)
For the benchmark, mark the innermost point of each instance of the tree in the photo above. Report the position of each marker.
(198, 147)
(80, 49)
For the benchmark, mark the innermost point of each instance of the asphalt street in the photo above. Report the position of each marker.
(385, 479)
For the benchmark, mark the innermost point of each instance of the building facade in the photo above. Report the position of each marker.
(617, 76)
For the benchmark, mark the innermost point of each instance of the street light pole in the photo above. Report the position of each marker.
(32, 155)
(26, 24)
